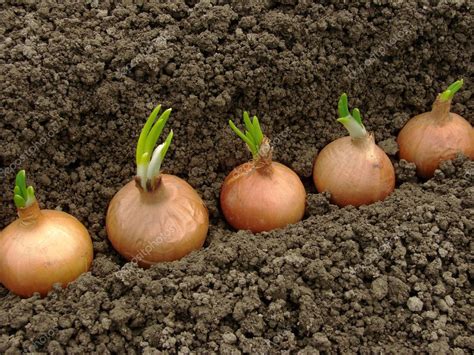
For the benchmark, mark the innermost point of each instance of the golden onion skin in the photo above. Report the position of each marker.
(163, 225)
(355, 171)
(427, 140)
(262, 199)
(42, 248)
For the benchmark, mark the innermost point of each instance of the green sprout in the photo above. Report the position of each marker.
(253, 136)
(451, 90)
(352, 122)
(23, 196)
(148, 160)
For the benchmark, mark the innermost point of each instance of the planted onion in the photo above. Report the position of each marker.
(353, 169)
(42, 247)
(261, 195)
(435, 136)
(156, 217)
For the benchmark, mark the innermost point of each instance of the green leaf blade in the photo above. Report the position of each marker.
(156, 131)
(242, 136)
(144, 133)
(20, 181)
(19, 201)
(30, 194)
(253, 147)
(23, 196)
(343, 106)
(356, 115)
(258, 131)
(249, 126)
(451, 90)
(352, 122)
(168, 140)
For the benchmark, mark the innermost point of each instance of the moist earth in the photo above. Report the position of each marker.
(79, 78)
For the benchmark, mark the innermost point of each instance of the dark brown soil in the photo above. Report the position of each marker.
(77, 82)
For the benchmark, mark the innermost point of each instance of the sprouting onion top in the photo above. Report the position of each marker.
(352, 122)
(253, 136)
(451, 90)
(148, 160)
(23, 196)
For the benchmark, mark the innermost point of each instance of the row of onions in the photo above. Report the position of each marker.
(158, 217)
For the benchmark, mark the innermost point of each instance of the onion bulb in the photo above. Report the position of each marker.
(42, 247)
(156, 217)
(435, 136)
(261, 195)
(353, 169)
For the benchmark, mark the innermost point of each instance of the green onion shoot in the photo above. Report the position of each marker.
(148, 160)
(23, 196)
(253, 136)
(352, 122)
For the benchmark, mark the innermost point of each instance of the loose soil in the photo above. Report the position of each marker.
(78, 81)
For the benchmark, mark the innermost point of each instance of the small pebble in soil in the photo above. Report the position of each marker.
(380, 287)
(389, 146)
(229, 338)
(415, 304)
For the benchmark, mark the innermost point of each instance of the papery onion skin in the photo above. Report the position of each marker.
(41, 249)
(166, 224)
(355, 171)
(427, 141)
(262, 199)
